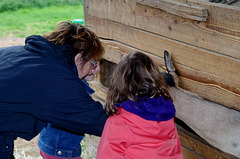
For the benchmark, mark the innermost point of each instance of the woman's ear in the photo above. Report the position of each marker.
(78, 58)
(82, 68)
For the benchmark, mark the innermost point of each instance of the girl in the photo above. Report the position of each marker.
(141, 123)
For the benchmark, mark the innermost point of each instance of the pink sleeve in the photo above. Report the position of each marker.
(112, 143)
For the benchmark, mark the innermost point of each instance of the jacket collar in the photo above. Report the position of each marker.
(156, 109)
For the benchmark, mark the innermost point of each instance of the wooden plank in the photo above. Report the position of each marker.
(205, 35)
(227, 16)
(206, 85)
(182, 53)
(199, 146)
(189, 154)
(114, 51)
(184, 10)
(211, 92)
(96, 98)
(100, 90)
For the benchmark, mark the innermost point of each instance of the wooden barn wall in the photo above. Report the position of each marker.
(193, 147)
(206, 54)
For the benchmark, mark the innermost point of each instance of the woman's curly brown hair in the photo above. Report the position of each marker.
(79, 37)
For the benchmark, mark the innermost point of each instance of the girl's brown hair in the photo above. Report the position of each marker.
(80, 38)
(135, 76)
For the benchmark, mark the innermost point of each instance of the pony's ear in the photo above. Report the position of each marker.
(168, 62)
(169, 79)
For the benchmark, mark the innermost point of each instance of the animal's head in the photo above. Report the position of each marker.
(171, 77)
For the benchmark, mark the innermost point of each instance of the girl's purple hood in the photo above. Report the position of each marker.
(156, 109)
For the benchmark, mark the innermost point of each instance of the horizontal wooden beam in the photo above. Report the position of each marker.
(221, 32)
(184, 10)
(226, 18)
(187, 154)
(206, 85)
(100, 90)
(185, 54)
(199, 146)
(188, 55)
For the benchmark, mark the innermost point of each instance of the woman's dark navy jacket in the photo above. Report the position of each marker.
(39, 84)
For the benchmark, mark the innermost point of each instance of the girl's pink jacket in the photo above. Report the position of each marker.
(128, 136)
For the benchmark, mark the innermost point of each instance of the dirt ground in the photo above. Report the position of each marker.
(23, 149)
(11, 41)
(26, 149)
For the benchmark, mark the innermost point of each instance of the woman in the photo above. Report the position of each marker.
(59, 144)
(41, 83)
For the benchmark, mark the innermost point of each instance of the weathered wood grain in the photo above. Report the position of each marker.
(225, 16)
(187, 154)
(206, 85)
(214, 35)
(195, 57)
(100, 90)
(199, 146)
(184, 10)
(188, 55)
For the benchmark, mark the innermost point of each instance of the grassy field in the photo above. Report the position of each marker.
(36, 20)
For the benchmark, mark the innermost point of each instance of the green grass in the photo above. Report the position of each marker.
(13, 5)
(36, 21)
